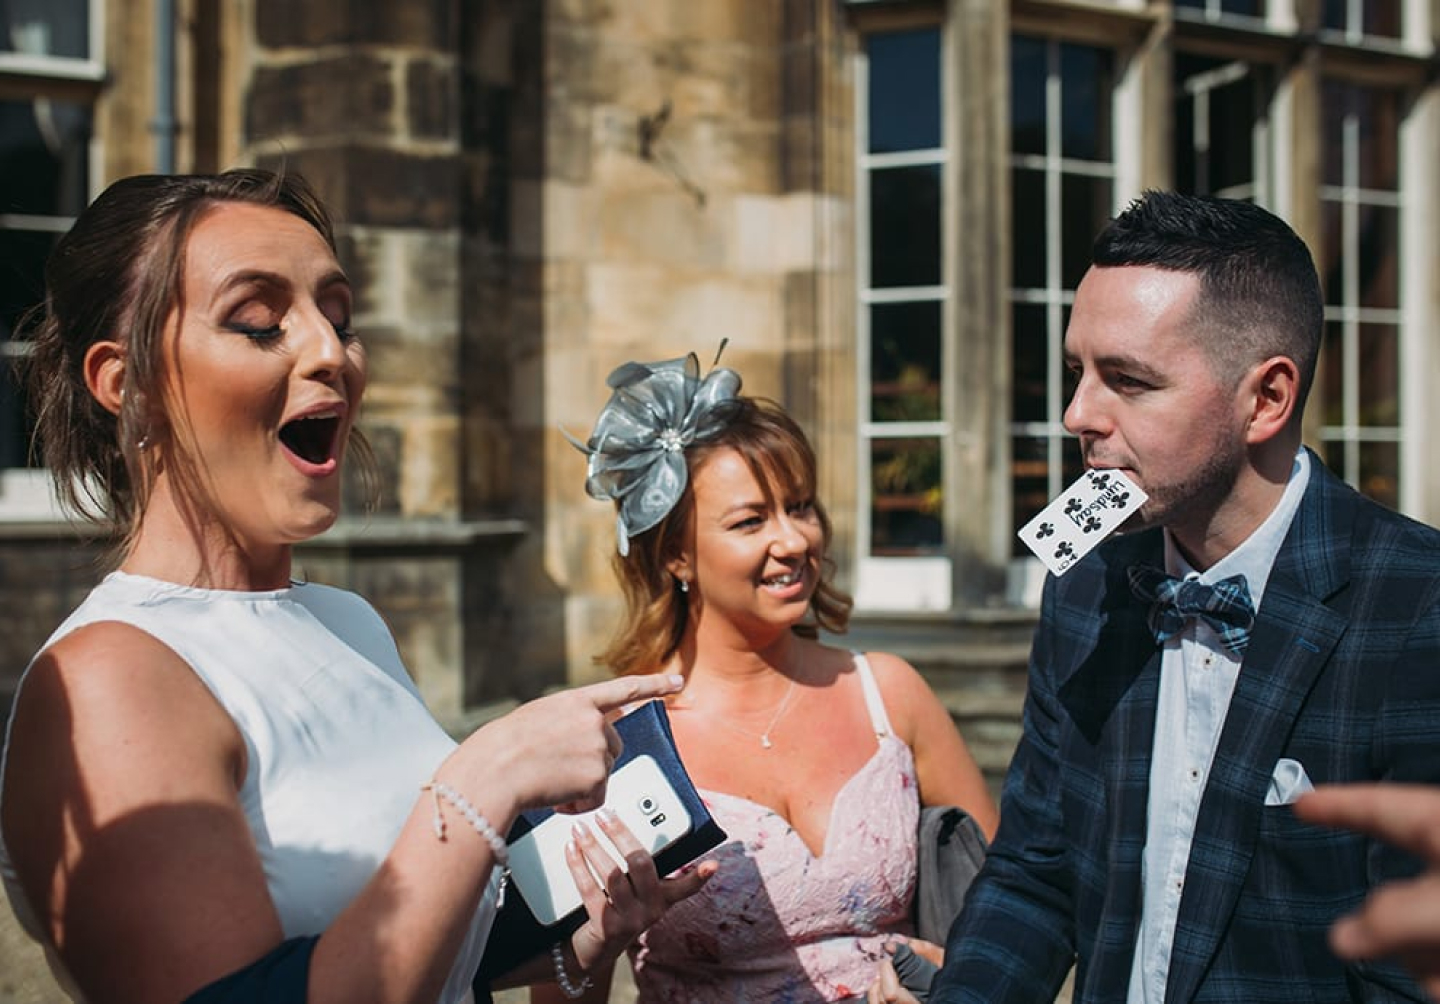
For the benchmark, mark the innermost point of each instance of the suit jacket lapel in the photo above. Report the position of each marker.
(1294, 635)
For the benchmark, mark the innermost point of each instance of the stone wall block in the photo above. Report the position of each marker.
(368, 257)
(410, 370)
(663, 226)
(567, 143)
(431, 99)
(430, 474)
(568, 67)
(420, 23)
(385, 440)
(753, 22)
(733, 156)
(380, 187)
(486, 464)
(430, 281)
(305, 101)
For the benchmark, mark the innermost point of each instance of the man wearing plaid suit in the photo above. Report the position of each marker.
(1146, 831)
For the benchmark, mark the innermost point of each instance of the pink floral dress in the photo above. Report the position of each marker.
(777, 923)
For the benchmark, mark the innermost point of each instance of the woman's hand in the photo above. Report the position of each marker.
(556, 750)
(623, 902)
(889, 987)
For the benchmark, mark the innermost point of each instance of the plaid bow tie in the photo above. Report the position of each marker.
(1225, 606)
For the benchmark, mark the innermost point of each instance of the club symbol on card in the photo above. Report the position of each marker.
(1074, 505)
(1044, 530)
(1092, 523)
(1100, 481)
(1121, 499)
(1064, 550)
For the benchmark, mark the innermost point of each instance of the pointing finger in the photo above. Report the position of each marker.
(612, 695)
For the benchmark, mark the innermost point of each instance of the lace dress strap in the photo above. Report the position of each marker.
(879, 721)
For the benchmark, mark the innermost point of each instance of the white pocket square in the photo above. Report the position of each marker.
(1288, 782)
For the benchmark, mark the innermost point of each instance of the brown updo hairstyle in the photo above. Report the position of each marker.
(779, 455)
(119, 274)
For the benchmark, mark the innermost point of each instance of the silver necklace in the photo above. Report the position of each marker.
(764, 736)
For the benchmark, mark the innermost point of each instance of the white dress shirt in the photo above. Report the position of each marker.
(1197, 677)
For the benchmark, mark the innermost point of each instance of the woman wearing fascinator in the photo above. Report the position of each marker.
(815, 760)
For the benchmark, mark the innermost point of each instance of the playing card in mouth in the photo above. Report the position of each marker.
(1081, 517)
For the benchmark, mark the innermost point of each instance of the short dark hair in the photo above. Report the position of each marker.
(1259, 291)
(117, 274)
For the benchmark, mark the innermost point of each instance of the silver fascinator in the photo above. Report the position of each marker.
(637, 451)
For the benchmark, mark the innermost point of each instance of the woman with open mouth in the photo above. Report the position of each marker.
(220, 783)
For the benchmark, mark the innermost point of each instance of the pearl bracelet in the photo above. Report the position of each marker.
(562, 978)
(439, 790)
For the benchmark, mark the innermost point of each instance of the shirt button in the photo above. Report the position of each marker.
(1194, 774)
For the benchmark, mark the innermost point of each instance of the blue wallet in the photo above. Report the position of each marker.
(516, 935)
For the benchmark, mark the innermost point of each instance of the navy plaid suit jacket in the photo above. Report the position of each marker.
(1342, 674)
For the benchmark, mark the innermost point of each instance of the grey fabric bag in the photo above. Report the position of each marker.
(952, 849)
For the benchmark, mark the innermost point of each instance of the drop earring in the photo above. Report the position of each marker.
(684, 585)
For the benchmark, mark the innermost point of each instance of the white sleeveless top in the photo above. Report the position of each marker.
(337, 738)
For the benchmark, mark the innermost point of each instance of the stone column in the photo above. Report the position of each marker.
(978, 48)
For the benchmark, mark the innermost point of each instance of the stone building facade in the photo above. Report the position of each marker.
(880, 208)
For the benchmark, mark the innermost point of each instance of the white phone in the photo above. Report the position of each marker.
(644, 800)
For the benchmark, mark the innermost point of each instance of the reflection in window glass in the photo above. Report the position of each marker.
(1213, 10)
(1217, 115)
(1331, 379)
(1085, 208)
(1086, 84)
(1357, 18)
(904, 94)
(46, 28)
(1031, 363)
(907, 499)
(44, 161)
(1027, 95)
(905, 224)
(1378, 373)
(1029, 226)
(22, 260)
(1377, 237)
(1380, 472)
(905, 362)
(44, 157)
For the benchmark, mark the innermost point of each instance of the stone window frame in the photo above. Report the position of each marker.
(25, 492)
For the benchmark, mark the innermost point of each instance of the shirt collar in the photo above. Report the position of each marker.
(1256, 554)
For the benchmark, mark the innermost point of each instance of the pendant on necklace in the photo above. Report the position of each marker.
(765, 742)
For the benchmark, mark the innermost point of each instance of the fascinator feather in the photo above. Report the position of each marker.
(637, 450)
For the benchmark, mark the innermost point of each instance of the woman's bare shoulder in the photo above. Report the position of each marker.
(109, 702)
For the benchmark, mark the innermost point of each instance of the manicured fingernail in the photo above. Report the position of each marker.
(677, 680)
(607, 814)
(578, 831)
